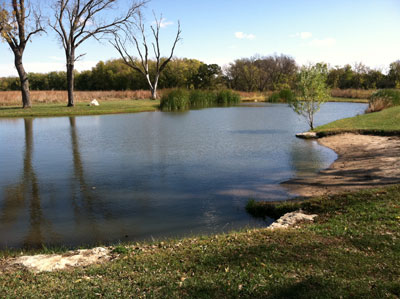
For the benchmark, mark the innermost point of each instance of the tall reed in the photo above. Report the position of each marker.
(283, 96)
(177, 99)
(181, 99)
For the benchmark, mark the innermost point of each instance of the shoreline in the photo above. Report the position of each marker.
(364, 161)
(107, 107)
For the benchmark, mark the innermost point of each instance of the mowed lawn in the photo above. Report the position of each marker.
(387, 120)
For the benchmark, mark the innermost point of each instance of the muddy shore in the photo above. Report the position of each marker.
(364, 161)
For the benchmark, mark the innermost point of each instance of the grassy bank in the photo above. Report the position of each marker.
(106, 107)
(385, 122)
(352, 250)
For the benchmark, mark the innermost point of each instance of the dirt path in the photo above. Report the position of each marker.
(364, 161)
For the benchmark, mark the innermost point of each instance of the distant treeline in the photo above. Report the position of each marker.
(257, 73)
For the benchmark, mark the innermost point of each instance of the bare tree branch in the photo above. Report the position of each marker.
(17, 27)
(143, 51)
(75, 21)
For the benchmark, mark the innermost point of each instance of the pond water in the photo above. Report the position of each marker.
(99, 179)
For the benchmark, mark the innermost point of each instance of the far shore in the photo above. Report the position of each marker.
(54, 103)
(365, 161)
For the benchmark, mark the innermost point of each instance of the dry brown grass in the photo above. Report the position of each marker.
(378, 104)
(8, 98)
(352, 93)
(254, 95)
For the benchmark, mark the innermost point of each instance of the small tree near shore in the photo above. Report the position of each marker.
(311, 90)
(142, 48)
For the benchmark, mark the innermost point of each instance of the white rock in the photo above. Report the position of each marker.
(290, 219)
(307, 135)
(52, 262)
(94, 103)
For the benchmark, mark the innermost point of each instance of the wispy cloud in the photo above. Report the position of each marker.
(315, 42)
(324, 42)
(164, 23)
(241, 35)
(302, 35)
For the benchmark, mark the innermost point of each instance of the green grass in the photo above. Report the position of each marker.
(385, 122)
(106, 107)
(283, 96)
(351, 251)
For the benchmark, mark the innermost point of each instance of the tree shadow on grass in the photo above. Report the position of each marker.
(11, 108)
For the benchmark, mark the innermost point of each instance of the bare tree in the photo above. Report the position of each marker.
(75, 21)
(142, 48)
(18, 24)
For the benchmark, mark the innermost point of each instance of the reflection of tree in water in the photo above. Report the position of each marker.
(26, 192)
(307, 158)
(87, 207)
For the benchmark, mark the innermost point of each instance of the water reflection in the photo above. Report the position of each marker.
(24, 198)
(307, 158)
(85, 205)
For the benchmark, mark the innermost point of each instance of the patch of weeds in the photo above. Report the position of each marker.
(120, 249)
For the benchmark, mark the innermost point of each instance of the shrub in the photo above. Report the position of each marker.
(227, 97)
(283, 96)
(274, 98)
(383, 99)
(177, 99)
(180, 99)
(202, 98)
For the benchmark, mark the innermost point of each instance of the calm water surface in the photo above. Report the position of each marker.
(100, 179)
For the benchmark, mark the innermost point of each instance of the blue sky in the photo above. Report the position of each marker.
(220, 31)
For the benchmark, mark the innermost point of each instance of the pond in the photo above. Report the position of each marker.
(100, 179)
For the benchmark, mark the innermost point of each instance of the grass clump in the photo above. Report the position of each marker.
(350, 251)
(227, 97)
(283, 96)
(177, 99)
(181, 99)
(383, 99)
(269, 209)
(120, 249)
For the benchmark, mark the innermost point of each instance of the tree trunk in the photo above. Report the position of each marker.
(311, 120)
(70, 85)
(154, 89)
(23, 77)
(153, 94)
(70, 80)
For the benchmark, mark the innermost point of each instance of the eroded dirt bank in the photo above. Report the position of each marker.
(364, 161)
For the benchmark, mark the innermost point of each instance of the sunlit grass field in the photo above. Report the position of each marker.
(385, 121)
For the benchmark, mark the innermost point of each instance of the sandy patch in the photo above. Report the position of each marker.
(364, 161)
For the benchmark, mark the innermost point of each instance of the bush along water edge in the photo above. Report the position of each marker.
(182, 99)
